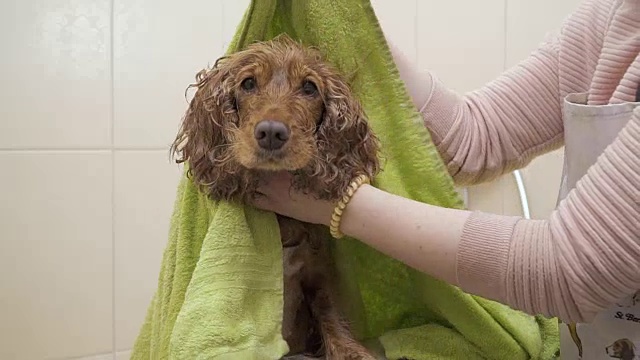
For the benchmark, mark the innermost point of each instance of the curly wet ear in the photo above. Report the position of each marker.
(346, 144)
(204, 135)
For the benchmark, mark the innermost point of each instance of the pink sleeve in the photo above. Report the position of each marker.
(498, 128)
(585, 257)
(580, 261)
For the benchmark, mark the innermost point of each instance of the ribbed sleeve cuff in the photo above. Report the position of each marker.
(483, 255)
(439, 111)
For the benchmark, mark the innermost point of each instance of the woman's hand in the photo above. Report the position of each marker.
(423, 236)
(278, 196)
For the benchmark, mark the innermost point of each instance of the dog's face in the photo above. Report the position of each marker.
(275, 106)
(621, 349)
(279, 103)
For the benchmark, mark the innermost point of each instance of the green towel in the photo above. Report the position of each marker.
(220, 288)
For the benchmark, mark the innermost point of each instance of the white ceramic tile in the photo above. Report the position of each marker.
(541, 179)
(511, 202)
(55, 254)
(398, 22)
(232, 13)
(487, 197)
(159, 46)
(55, 88)
(529, 22)
(123, 355)
(145, 188)
(542, 182)
(461, 42)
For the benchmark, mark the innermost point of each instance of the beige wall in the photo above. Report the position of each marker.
(91, 95)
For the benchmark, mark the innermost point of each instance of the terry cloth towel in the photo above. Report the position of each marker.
(220, 287)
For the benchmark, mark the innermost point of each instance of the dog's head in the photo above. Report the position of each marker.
(621, 349)
(275, 106)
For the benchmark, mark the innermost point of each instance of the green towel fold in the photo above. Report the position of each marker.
(220, 288)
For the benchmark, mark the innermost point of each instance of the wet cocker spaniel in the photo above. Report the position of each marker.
(277, 105)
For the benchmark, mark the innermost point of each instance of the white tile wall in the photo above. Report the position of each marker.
(159, 46)
(91, 95)
(144, 194)
(399, 20)
(55, 254)
(462, 43)
(55, 73)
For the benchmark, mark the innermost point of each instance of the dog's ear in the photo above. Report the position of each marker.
(628, 348)
(203, 139)
(347, 147)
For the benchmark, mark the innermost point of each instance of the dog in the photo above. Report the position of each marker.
(279, 106)
(622, 349)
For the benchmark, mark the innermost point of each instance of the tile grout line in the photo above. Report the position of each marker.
(505, 25)
(416, 41)
(222, 26)
(113, 182)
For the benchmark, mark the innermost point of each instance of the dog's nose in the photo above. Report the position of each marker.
(271, 135)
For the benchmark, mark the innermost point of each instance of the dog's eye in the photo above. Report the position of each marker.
(309, 88)
(248, 84)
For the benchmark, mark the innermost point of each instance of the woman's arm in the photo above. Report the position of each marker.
(498, 128)
(582, 260)
(407, 230)
(579, 262)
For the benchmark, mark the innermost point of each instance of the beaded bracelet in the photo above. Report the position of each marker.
(336, 217)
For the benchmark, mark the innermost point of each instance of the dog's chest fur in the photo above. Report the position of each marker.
(307, 270)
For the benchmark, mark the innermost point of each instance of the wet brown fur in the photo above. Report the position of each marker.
(330, 144)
